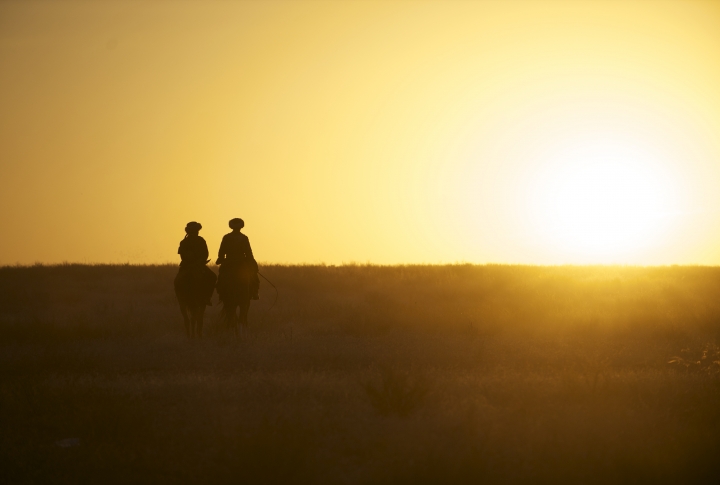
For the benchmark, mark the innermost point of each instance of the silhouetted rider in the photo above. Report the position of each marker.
(236, 255)
(193, 249)
(194, 254)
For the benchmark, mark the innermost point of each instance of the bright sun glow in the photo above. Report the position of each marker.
(603, 202)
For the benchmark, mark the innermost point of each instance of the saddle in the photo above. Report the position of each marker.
(195, 283)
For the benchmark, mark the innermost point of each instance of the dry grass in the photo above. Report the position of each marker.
(363, 374)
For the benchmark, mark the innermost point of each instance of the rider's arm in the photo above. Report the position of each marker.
(248, 250)
(204, 251)
(221, 252)
(249, 254)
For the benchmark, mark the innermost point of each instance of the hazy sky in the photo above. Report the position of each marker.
(385, 132)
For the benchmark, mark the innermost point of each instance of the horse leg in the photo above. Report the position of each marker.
(193, 321)
(244, 306)
(229, 314)
(197, 312)
(184, 309)
(199, 320)
(235, 322)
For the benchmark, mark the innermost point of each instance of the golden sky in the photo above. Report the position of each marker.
(539, 132)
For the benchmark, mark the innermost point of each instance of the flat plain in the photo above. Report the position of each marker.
(364, 374)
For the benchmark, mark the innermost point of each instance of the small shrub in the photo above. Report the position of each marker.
(705, 360)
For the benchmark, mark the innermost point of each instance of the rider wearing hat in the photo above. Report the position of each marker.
(193, 249)
(194, 253)
(235, 254)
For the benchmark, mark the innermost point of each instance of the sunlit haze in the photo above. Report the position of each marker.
(538, 132)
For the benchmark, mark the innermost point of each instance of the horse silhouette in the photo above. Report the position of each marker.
(195, 282)
(237, 280)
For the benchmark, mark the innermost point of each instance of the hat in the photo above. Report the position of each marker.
(236, 223)
(193, 226)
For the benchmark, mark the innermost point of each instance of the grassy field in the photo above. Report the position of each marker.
(364, 374)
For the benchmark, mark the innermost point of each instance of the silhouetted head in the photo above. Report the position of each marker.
(193, 227)
(236, 223)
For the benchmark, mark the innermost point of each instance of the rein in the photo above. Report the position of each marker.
(277, 293)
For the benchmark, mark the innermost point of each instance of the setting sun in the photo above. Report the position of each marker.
(601, 202)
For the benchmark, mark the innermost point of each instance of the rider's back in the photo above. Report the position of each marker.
(193, 250)
(235, 247)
